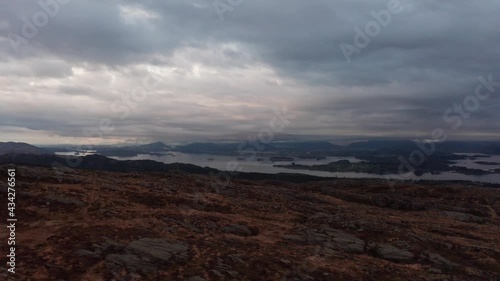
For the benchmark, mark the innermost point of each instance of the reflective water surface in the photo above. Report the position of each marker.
(222, 162)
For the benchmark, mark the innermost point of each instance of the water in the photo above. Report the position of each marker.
(79, 153)
(471, 163)
(222, 162)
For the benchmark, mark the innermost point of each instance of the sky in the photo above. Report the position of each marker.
(202, 70)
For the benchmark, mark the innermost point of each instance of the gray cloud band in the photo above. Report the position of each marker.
(372, 29)
(424, 58)
(31, 26)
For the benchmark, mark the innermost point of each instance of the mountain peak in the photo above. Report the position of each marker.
(154, 147)
(20, 148)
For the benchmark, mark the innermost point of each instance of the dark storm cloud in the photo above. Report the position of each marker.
(222, 77)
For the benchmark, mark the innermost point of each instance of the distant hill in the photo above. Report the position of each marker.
(471, 147)
(448, 146)
(302, 146)
(305, 146)
(134, 150)
(207, 147)
(98, 162)
(383, 144)
(21, 148)
(152, 147)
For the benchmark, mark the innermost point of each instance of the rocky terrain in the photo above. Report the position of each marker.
(96, 225)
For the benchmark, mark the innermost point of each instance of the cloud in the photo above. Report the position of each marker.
(221, 79)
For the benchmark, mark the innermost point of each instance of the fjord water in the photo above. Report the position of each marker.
(222, 162)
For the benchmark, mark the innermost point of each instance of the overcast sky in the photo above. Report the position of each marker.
(217, 72)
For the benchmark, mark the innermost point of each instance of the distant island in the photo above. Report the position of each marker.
(387, 165)
(487, 163)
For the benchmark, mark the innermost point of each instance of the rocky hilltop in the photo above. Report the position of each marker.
(96, 225)
(21, 148)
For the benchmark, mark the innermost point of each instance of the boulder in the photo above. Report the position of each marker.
(392, 253)
(295, 238)
(195, 278)
(237, 229)
(61, 200)
(159, 249)
(85, 253)
(441, 262)
(464, 217)
(346, 242)
(131, 262)
(146, 255)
